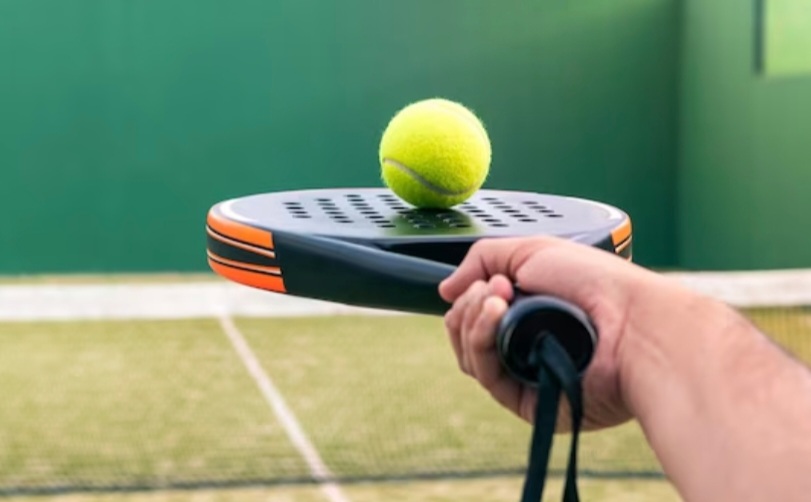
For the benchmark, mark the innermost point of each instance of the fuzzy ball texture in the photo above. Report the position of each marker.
(435, 153)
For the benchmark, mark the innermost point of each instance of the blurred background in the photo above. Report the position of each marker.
(122, 122)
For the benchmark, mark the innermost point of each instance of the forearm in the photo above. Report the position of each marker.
(726, 411)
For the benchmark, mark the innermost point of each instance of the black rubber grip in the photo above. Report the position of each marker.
(530, 318)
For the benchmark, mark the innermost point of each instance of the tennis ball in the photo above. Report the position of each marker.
(434, 153)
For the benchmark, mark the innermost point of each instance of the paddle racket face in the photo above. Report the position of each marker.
(365, 247)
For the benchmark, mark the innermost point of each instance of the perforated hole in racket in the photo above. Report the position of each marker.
(388, 211)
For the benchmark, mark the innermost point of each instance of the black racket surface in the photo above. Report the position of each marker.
(262, 240)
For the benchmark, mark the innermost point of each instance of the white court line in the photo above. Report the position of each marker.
(51, 302)
(274, 399)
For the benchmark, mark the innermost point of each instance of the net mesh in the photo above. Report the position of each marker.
(130, 404)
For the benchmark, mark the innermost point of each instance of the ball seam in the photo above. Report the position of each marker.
(424, 182)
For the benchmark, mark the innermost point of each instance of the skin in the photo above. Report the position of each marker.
(727, 412)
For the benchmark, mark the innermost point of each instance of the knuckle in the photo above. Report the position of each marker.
(480, 246)
(451, 326)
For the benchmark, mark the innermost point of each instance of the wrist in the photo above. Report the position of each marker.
(715, 397)
(675, 338)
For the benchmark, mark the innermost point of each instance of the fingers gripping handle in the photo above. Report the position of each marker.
(531, 318)
(383, 279)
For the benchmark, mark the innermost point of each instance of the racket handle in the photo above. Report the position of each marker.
(531, 317)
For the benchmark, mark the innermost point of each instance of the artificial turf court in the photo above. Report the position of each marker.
(145, 409)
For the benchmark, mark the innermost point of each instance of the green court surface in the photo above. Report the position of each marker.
(166, 410)
(131, 403)
(409, 400)
(158, 404)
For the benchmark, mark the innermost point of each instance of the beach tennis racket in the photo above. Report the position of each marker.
(367, 248)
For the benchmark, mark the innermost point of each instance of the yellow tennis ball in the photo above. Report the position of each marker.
(434, 153)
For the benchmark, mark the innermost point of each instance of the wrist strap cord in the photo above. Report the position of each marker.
(557, 375)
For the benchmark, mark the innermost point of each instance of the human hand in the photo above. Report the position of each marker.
(605, 286)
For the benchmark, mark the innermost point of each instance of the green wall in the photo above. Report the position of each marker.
(745, 173)
(122, 121)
